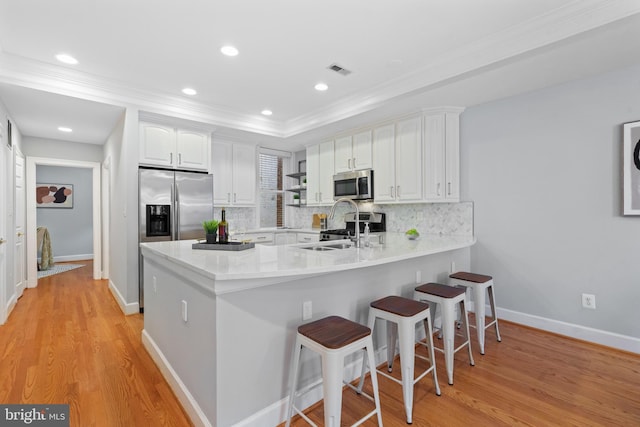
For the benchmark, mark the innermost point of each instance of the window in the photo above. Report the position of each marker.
(272, 172)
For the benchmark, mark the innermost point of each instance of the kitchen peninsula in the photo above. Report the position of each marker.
(221, 324)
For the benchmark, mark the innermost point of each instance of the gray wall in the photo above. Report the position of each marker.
(71, 229)
(544, 171)
(56, 149)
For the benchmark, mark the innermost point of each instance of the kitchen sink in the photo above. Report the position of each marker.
(331, 247)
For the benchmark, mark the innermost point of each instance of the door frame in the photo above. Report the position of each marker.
(30, 189)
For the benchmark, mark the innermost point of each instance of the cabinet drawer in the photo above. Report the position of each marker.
(260, 237)
(308, 237)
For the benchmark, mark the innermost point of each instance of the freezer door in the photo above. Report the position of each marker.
(194, 204)
(156, 211)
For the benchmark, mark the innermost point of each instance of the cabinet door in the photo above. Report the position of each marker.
(325, 179)
(434, 163)
(362, 152)
(244, 175)
(313, 175)
(193, 150)
(384, 164)
(452, 155)
(157, 145)
(408, 151)
(222, 165)
(343, 155)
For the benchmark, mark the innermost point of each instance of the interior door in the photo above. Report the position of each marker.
(4, 156)
(20, 257)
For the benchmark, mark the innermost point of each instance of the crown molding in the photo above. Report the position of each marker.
(491, 51)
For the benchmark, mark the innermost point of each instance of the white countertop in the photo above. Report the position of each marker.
(262, 265)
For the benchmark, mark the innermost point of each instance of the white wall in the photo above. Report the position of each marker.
(121, 149)
(544, 171)
(57, 149)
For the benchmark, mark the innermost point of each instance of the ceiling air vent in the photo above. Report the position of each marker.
(338, 69)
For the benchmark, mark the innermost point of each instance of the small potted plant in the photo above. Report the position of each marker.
(210, 229)
(412, 234)
(296, 199)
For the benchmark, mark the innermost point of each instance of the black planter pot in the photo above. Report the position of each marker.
(211, 238)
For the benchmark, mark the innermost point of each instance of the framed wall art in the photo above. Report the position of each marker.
(54, 195)
(631, 168)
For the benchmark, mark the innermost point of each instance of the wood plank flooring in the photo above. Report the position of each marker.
(68, 342)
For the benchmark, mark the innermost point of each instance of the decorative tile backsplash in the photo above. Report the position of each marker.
(427, 218)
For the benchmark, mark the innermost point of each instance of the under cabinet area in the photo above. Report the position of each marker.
(234, 174)
(171, 147)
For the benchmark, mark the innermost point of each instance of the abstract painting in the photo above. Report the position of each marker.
(54, 195)
(631, 168)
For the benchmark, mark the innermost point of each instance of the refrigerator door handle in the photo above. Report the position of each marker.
(177, 210)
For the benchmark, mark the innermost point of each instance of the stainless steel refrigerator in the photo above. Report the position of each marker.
(172, 206)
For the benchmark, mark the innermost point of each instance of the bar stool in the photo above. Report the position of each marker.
(479, 283)
(447, 297)
(333, 338)
(401, 315)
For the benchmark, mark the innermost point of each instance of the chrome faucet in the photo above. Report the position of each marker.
(355, 205)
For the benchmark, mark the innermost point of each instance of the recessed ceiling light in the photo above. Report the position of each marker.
(229, 50)
(67, 59)
(321, 87)
(64, 129)
(189, 91)
(267, 112)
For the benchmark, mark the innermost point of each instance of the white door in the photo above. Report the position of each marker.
(4, 217)
(20, 256)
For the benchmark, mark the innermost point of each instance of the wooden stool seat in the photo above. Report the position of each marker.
(404, 307)
(334, 331)
(471, 277)
(480, 284)
(333, 338)
(442, 291)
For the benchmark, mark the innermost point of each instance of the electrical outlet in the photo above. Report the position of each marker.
(418, 277)
(155, 285)
(453, 266)
(306, 310)
(589, 301)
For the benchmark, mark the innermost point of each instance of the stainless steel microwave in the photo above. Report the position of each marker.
(354, 185)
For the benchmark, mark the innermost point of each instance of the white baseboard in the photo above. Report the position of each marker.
(609, 339)
(67, 258)
(127, 308)
(189, 404)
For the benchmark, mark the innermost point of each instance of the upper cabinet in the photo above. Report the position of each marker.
(397, 161)
(320, 170)
(442, 156)
(167, 146)
(353, 152)
(234, 174)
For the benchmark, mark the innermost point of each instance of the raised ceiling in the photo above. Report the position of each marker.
(403, 55)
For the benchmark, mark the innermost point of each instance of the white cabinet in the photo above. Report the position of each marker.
(234, 174)
(397, 161)
(353, 152)
(260, 238)
(442, 156)
(169, 147)
(286, 238)
(320, 170)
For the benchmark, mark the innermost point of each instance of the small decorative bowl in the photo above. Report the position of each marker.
(412, 236)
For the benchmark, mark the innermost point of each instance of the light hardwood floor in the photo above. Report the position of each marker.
(68, 342)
